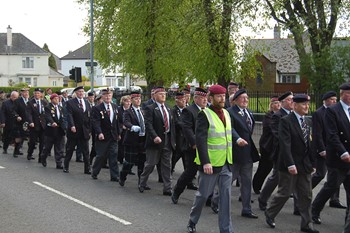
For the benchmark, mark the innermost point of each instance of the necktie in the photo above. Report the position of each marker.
(109, 112)
(165, 117)
(248, 120)
(304, 129)
(81, 104)
(39, 106)
(349, 111)
(142, 123)
(57, 112)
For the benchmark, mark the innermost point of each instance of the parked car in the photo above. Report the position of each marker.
(98, 90)
(69, 90)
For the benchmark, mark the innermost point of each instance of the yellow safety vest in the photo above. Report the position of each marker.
(219, 139)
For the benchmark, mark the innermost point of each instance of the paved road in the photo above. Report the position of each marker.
(38, 199)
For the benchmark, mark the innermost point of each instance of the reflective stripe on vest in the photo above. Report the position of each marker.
(219, 139)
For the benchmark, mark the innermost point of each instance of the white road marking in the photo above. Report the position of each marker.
(2, 167)
(122, 221)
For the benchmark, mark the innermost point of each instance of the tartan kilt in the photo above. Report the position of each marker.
(131, 154)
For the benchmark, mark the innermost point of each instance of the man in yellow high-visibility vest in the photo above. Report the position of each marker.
(214, 157)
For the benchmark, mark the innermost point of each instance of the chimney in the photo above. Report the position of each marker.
(277, 32)
(9, 36)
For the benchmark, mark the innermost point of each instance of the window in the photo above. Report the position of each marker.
(28, 62)
(20, 80)
(54, 83)
(289, 78)
(28, 81)
(120, 81)
(35, 82)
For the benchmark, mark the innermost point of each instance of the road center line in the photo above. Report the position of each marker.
(122, 221)
(1, 167)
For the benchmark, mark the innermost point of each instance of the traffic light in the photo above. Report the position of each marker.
(72, 74)
(78, 74)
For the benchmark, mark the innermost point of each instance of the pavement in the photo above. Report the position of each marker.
(38, 199)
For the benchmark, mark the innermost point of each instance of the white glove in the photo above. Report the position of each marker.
(135, 128)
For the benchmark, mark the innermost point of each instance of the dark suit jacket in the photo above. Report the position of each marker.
(189, 119)
(292, 148)
(155, 126)
(102, 123)
(34, 116)
(51, 117)
(318, 131)
(338, 136)
(130, 118)
(247, 153)
(21, 107)
(78, 118)
(275, 120)
(266, 139)
(179, 139)
(9, 114)
(148, 102)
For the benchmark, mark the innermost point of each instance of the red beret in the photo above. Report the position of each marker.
(53, 96)
(217, 89)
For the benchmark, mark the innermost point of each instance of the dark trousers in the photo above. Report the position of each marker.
(7, 137)
(264, 169)
(58, 144)
(93, 149)
(34, 136)
(72, 142)
(321, 171)
(177, 155)
(106, 149)
(188, 174)
(334, 178)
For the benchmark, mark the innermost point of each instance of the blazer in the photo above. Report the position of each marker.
(9, 114)
(275, 120)
(240, 129)
(266, 139)
(130, 118)
(34, 116)
(189, 120)
(155, 126)
(51, 117)
(102, 123)
(292, 147)
(78, 118)
(318, 131)
(179, 136)
(21, 107)
(148, 102)
(338, 136)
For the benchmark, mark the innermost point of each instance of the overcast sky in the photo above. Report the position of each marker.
(58, 23)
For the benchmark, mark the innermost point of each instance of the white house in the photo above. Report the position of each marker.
(21, 60)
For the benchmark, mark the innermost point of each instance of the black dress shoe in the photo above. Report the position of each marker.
(316, 219)
(214, 208)
(43, 163)
(191, 227)
(192, 186)
(87, 172)
(15, 155)
(122, 182)
(174, 198)
(146, 188)
(79, 161)
(249, 215)
(141, 189)
(131, 173)
(296, 212)
(167, 193)
(309, 230)
(262, 206)
(65, 170)
(115, 179)
(336, 204)
(94, 177)
(270, 221)
(58, 166)
(30, 157)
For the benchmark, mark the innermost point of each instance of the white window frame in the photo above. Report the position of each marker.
(28, 62)
(289, 78)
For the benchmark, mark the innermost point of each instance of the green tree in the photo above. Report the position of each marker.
(313, 24)
(52, 61)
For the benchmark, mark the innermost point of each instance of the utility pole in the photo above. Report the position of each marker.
(92, 43)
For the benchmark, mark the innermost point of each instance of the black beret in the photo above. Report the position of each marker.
(179, 95)
(78, 88)
(233, 84)
(25, 89)
(38, 89)
(134, 94)
(200, 91)
(186, 90)
(285, 95)
(345, 86)
(238, 93)
(300, 98)
(329, 95)
(91, 93)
